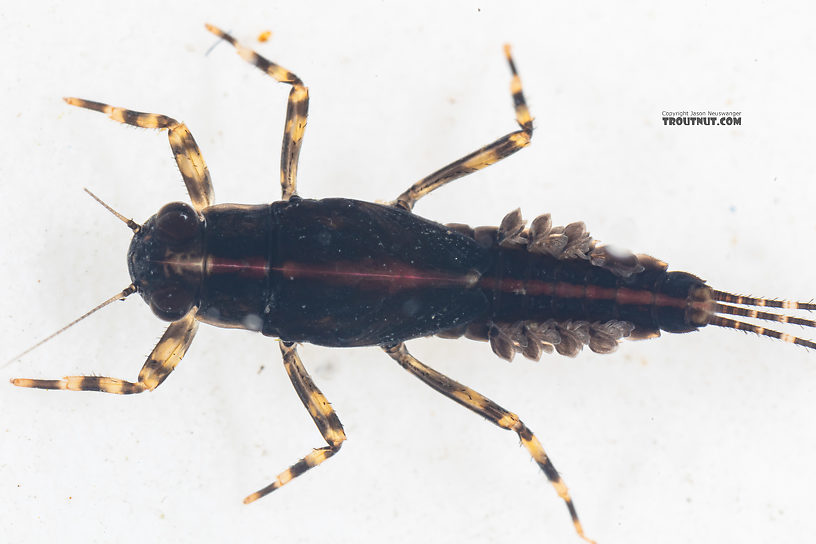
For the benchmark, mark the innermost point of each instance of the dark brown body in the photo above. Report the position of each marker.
(339, 272)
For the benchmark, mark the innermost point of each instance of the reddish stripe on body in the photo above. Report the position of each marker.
(255, 267)
(397, 275)
(403, 276)
(622, 295)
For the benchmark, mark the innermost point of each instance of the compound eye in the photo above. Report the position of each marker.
(172, 302)
(177, 223)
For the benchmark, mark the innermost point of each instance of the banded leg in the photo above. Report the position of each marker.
(296, 111)
(322, 414)
(185, 150)
(492, 412)
(161, 362)
(487, 155)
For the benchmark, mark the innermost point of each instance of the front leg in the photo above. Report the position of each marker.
(185, 149)
(161, 362)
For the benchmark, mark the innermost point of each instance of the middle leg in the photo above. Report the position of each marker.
(296, 110)
(322, 414)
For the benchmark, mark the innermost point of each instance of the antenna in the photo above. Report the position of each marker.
(133, 225)
(129, 290)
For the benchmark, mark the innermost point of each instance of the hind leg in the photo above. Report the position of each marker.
(487, 155)
(492, 412)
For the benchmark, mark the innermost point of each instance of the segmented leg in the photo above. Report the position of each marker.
(322, 413)
(185, 150)
(491, 411)
(161, 362)
(296, 111)
(501, 148)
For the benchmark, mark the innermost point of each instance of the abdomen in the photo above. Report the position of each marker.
(540, 301)
(524, 286)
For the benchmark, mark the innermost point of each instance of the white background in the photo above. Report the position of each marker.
(704, 437)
